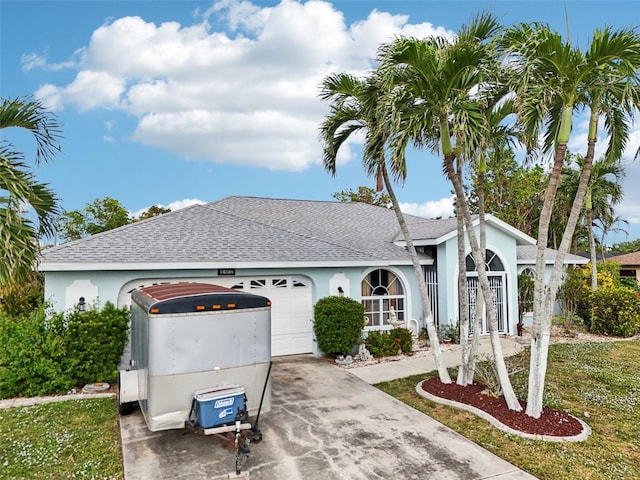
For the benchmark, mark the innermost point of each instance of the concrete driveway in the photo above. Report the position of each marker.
(325, 423)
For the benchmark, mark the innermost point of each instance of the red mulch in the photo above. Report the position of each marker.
(551, 422)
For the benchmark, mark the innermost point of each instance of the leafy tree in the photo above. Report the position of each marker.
(364, 195)
(153, 211)
(571, 294)
(21, 299)
(96, 217)
(516, 191)
(20, 192)
(525, 297)
(625, 247)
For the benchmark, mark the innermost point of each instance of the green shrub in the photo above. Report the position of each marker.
(21, 299)
(338, 324)
(384, 343)
(449, 333)
(95, 341)
(615, 311)
(33, 357)
(405, 338)
(40, 355)
(381, 344)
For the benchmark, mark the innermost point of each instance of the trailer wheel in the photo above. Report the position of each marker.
(124, 408)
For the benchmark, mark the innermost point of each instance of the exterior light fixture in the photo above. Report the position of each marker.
(82, 305)
(340, 292)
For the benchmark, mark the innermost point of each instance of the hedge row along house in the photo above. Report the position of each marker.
(294, 252)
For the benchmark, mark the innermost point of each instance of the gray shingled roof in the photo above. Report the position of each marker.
(527, 254)
(428, 229)
(246, 230)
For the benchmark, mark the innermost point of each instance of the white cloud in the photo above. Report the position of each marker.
(108, 127)
(34, 60)
(177, 205)
(432, 209)
(245, 94)
(89, 90)
(31, 61)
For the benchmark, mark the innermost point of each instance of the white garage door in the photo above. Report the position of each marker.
(291, 309)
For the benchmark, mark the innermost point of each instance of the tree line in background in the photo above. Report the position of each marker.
(100, 216)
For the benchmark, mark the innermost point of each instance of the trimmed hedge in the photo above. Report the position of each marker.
(42, 355)
(338, 324)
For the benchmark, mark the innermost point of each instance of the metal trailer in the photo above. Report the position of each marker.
(200, 356)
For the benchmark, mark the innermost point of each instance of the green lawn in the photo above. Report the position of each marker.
(597, 382)
(75, 439)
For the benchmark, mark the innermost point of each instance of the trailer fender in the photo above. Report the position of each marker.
(128, 386)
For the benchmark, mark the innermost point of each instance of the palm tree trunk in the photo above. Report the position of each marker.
(539, 335)
(420, 277)
(479, 313)
(471, 351)
(463, 299)
(592, 250)
(498, 356)
(542, 321)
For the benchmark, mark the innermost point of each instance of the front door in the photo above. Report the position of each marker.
(498, 296)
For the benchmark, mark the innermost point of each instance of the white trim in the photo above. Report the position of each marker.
(97, 266)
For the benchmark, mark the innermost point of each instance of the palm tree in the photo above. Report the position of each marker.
(19, 235)
(604, 191)
(440, 106)
(607, 224)
(358, 105)
(552, 81)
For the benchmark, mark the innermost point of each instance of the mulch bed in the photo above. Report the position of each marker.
(554, 423)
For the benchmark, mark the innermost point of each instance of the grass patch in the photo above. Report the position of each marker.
(597, 382)
(75, 439)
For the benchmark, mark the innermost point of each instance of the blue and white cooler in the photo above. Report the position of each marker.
(220, 405)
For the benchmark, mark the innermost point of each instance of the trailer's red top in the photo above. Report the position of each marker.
(194, 297)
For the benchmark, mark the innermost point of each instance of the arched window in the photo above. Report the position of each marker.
(529, 272)
(492, 262)
(383, 299)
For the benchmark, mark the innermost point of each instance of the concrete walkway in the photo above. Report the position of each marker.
(391, 370)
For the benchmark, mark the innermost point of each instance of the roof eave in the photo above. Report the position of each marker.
(128, 266)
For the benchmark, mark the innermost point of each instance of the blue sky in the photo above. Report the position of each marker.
(174, 102)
